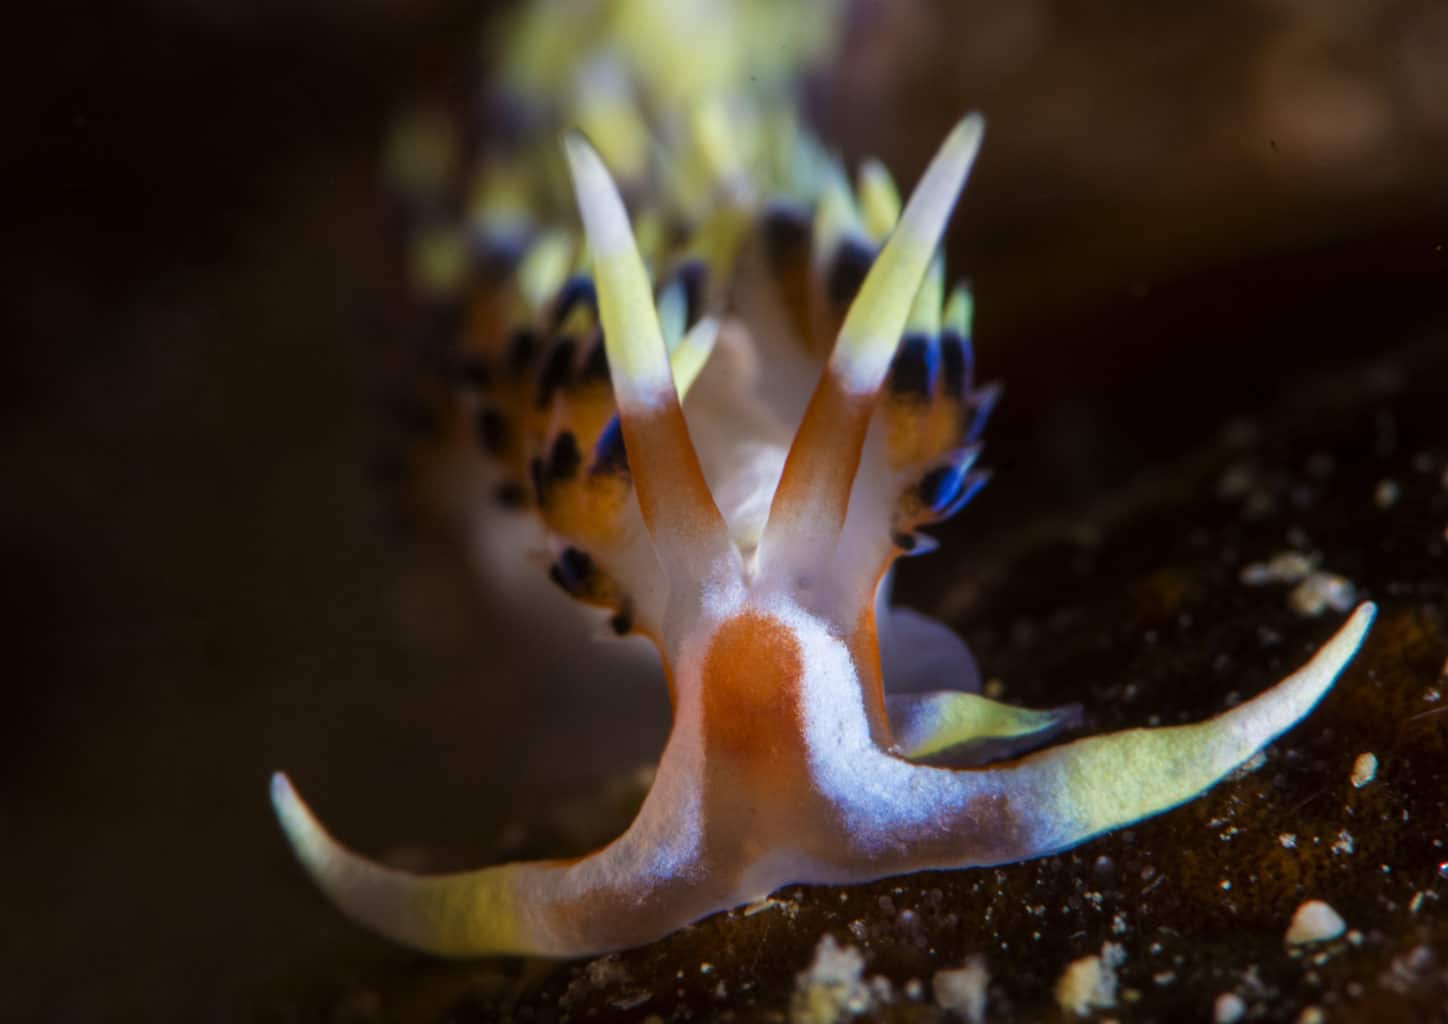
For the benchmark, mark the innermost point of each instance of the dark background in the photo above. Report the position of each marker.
(1181, 216)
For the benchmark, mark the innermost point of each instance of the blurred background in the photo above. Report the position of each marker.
(1182, 214)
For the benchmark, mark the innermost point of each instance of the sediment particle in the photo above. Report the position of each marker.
(1314, 921)
(832, 988)
(1228, 1009)
(1090, 982)
(962, 991)
(1321, 591)
(1364, 770)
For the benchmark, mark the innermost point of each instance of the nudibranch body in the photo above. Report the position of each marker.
(707, 481)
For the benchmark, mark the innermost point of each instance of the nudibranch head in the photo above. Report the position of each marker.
(748, 535)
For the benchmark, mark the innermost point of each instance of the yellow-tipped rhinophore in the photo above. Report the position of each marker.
(689, 534)
(638, 358)
(811, 502)
(878, 314)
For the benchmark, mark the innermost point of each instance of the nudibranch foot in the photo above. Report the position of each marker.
(707, 839)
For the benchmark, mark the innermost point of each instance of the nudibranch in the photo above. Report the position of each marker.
(750, 541)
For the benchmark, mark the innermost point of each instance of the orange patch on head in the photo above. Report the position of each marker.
(751, 691)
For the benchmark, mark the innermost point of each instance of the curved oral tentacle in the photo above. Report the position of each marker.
(810, 502)
(462, 914)
(637, 889)
(1171, 765)
(1061, 797)
(688, 531)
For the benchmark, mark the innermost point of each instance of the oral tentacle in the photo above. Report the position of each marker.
(914, 817)
(1172, 765)
(472, 913)
(639, 888)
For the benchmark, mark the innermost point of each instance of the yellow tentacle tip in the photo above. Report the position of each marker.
(296, 818)
(967, 134)
(930, 204)
(692, 353)
(882, 307)
(879, 199)
(959, 311)
(283, 796)
(604, 216)
(638, 357)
